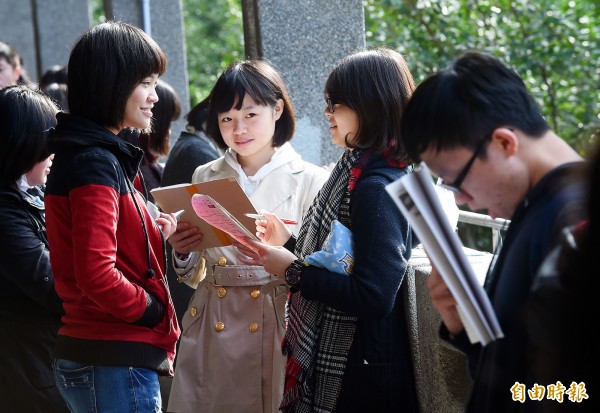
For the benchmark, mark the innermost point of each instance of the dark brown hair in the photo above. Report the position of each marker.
(264, 84)
(376, 84)
(26, 115)
(107, 63)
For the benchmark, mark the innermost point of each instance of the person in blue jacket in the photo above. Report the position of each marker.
(347, 342)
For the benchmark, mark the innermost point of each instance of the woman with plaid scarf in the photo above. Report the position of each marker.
(347, 339)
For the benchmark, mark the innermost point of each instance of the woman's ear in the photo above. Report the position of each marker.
(279, 105)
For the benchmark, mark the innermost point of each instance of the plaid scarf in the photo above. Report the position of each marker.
(318, 338)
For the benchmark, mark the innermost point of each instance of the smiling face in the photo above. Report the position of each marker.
(343, 122)
(39, 173)
(138, 111)
(249, 131)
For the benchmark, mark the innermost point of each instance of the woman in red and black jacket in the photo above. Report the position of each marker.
(119, 327)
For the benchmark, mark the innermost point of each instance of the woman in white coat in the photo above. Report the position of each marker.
(229, 356)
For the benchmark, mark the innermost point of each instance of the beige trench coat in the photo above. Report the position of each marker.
(229, 358)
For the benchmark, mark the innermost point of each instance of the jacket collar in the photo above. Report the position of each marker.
(33, 196)
(73, 132)
(284, 179)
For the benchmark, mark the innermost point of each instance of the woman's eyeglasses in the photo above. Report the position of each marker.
(330, 104)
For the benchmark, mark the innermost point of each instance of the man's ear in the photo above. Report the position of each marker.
(507, 140)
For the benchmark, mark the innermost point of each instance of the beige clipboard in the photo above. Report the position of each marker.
(226, 191)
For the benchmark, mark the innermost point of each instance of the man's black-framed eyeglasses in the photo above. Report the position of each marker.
(455, 186)
(330, 104)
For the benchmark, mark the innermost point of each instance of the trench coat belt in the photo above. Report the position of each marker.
(243, 275)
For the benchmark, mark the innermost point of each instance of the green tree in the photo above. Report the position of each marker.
(552, 44)
(214, 38)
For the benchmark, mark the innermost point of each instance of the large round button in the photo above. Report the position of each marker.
(222, 261)
(193, 311)
(221, 292)
(253, 327)
(255, 293)
(219, 326)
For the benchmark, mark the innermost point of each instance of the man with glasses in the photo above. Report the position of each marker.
(478, 129)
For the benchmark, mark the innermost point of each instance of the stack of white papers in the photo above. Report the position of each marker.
(415, 196)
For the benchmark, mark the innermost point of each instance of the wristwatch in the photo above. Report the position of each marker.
(293, 273)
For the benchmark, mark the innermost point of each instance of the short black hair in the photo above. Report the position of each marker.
(165, 111)
(58, 93)
(376, 84)
(107, 63)
(264, 84)
(464, 103)
(26, 115)
(55, 74)
(198, 114)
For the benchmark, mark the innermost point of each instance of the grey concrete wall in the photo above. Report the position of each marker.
(166, 27)
(59, 24)
(42, 31)
(17, 29)
(441, 372)
(304, 40)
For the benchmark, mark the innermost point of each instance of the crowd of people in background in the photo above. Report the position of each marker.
(105, 295)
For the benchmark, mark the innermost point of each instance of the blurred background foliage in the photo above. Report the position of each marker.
(214, 36)
(552, 44)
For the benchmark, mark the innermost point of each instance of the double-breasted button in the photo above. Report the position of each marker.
(221, 292)
(219, 326)
(255, 293)
(222, 261)
(253, 327)
(193, 311)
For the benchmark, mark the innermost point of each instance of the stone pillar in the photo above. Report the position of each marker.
(17, 29)
(304, 40)
(166, 27)
(59, 24)
(43, 32)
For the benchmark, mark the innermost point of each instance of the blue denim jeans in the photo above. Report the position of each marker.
(91, 389)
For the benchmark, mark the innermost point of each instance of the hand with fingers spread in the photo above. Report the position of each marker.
(186, 238)
(272, 231)
(444, 302)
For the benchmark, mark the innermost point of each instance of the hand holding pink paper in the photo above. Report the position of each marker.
(212, 212)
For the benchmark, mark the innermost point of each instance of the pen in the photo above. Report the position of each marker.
(259, 216)
(178, 214)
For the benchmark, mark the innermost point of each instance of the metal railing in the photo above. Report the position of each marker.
(482, 220)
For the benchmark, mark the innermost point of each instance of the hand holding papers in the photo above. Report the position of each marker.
(415, 196)
(227, 192)
(212, 212)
